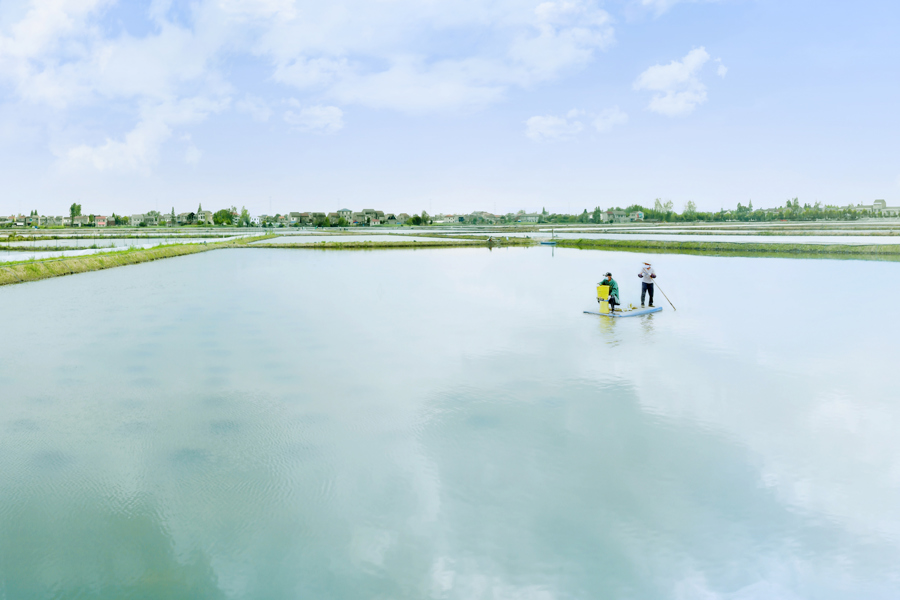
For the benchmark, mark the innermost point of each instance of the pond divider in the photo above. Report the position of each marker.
(35, 270)
(858, 251)
(436, 243)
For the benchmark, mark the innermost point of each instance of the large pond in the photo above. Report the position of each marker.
(411, 424)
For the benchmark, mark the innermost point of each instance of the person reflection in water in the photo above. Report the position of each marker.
(647, 276)
(613, 291)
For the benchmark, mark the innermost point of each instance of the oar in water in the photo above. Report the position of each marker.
(666, 297)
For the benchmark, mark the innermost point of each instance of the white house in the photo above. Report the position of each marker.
(879, 207)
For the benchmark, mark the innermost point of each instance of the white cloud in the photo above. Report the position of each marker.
(541, 128)
(256, 107)
(721, 70)
(609, 118)
(139, 150)
(284, 9)
(379, 57)
(661, 6)
(678, 84)
(405, 55)
(304, 72)
(316, 119)
(192, 154)
(551, 127)
(45, 26)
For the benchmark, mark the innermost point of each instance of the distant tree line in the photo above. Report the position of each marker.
(793, 210)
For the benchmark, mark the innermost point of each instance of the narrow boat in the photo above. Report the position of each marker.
(626, 312)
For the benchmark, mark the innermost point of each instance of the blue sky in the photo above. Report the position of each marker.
(446, 106)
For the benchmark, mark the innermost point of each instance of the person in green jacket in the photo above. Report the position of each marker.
(613, 291)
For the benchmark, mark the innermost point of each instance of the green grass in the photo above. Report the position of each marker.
(34, 270)
(869, 251)
(438, 243)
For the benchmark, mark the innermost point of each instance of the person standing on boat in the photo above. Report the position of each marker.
(613, 291)
(647, 276)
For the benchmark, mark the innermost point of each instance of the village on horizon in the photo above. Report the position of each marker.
(662, 211)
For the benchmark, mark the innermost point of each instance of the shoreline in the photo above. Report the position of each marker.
(46, 268)
(36, 270)
(875, 251)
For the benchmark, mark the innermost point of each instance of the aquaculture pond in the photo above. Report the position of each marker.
(447, 423)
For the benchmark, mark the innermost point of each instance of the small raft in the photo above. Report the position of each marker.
(626, 312)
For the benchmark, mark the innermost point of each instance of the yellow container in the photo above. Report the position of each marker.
(603, 298)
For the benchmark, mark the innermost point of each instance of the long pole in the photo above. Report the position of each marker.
(666, 297)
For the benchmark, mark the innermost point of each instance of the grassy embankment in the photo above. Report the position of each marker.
(4, 240)
(400, 243)
(34, 270)
(757, 232)
(889, 252)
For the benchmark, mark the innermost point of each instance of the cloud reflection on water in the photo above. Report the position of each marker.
(447, 424)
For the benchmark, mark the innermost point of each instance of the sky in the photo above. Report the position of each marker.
(446, 105)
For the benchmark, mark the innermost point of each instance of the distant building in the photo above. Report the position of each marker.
(99, 221)
(367, 216)
(617, 216)
(530, 218)
(345, 213)
(879, 207)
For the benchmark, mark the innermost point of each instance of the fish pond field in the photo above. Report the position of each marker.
(447, 423)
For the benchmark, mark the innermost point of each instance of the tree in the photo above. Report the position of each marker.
(222, 217)
(690, 208)
(584, 216)
(245, 217)
(342, 222)
(200, 208)
(597, 215)
(173, 216)
(74, 211)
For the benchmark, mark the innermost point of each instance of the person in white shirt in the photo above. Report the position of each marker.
(647, 276)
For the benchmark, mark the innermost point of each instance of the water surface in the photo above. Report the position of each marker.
(448, 424)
